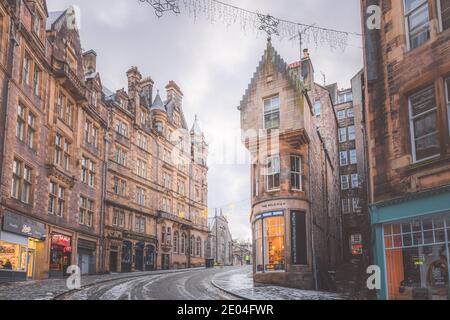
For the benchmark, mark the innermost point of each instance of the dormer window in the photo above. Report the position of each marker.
(159, 127)
(93, 98)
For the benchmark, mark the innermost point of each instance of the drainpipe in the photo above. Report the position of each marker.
(8, 79)
(313, 251)
(103, 205)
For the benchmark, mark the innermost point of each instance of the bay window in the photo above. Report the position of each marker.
(273, 173)
(424, 125)
(270, 243)
(272, 113)
(417, 22)
(351, 133)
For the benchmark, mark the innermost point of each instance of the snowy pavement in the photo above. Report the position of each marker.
(240, 283)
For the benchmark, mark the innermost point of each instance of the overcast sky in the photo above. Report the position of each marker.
(213, 65)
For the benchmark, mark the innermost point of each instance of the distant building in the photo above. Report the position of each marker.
(220, 241)
(290, 129)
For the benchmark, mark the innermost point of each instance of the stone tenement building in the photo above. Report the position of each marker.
(352, 158)
(107, 181)
(290, 129)
(407, 108)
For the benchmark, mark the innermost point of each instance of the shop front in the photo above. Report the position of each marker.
(412, 238)
(280, 236)
(60, 255)
(21, 244)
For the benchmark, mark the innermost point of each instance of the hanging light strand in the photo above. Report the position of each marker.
(215, 11)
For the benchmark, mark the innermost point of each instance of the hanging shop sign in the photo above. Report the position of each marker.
(21, 225)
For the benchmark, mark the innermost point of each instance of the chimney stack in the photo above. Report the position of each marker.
(134, 78)
(307, 70)
(173, 92)
(147, 90)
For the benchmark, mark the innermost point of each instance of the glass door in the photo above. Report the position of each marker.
(31, 263)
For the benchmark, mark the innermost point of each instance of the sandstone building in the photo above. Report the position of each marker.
(290, 128)
(407, 108)
(108, 181)
(348, 104)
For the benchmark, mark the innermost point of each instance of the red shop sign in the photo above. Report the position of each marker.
(61, 240)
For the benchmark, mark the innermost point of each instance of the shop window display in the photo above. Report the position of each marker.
(13, 257)
(270, 244)
(417, 259)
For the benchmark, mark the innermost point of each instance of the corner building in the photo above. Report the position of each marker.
(290, 128)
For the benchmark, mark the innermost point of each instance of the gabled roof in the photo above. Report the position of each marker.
(53, 17)
(272, 56)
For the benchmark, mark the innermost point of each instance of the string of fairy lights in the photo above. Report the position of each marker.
(215, 11)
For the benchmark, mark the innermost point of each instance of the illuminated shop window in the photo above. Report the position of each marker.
(416, 255)
(13, 257)
(270, 244)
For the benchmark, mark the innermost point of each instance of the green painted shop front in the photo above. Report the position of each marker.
(411, 245)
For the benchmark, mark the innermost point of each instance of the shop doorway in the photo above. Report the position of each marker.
(150, 258)
(113, 261)
(84, 262)
(126, 256)
(165, 261)
(139, 257)
(31, 264)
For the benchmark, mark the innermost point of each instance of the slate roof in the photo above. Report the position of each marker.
(53, 17)
(196, 128)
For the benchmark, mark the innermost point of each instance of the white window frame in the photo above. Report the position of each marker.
(345, 181)
(342, 157)
(355, 177)
(350, 113)
(355, 157)
(273, 172)
(406, 19)
(297, 173)
(411, 124)
(341, 115)
(351, 137)
(345, 135)
(272, 111)
(356, 205)
(318, 107)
